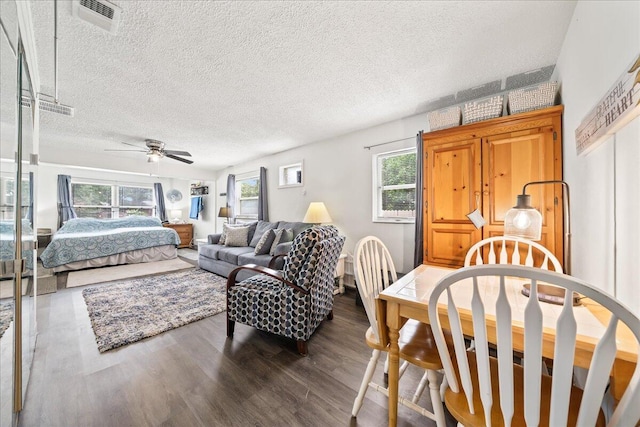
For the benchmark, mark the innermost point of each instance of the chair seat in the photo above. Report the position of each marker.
(416, 343)
(457, 402)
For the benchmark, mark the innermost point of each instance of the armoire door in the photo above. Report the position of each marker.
(509, 162)
(452, 191)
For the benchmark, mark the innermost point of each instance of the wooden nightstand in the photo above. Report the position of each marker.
(185, 232)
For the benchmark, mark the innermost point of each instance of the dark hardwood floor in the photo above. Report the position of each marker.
(195, 376)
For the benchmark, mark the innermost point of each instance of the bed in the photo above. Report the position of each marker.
(87, 242)
(7, 245)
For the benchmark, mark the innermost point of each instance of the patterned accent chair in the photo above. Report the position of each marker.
(294, 301)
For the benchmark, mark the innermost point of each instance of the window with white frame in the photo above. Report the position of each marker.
(8, 198)
(247, 190)
(394, 186)
(100, 200)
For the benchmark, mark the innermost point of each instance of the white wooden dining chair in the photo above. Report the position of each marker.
(508, 250)
(374, 271)
(486, 389)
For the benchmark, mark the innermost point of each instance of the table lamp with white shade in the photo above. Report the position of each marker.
(176, 215)
(317, 214)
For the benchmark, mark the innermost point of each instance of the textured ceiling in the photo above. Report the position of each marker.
(231, 81)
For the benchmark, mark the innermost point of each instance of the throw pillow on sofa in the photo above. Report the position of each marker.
(264, 244)
(223, 236)
(225, 227)
(282, 235)
(261, 228)
(237, 236)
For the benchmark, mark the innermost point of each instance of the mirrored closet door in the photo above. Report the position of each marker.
(18, 166)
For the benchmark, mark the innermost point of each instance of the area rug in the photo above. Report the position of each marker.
(129, 311)
(6, 315)
(119, 272)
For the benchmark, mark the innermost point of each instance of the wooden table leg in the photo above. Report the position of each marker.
(393, 322)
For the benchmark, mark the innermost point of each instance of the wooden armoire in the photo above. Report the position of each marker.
(484, 166)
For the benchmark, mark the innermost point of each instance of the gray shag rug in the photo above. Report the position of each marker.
(6, 315)
(125, 312)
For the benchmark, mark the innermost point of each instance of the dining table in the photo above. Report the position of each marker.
(408, 298)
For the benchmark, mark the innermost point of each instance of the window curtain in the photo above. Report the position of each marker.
(161, 210)
(65, 205)
(231, 197)
(263, 207)
(418, 253)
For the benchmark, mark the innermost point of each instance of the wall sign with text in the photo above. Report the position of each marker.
(618, 107)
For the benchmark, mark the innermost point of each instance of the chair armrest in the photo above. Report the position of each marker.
(213, 238)
(231, 281)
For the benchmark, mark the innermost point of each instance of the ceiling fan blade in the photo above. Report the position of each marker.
(171, 156)
(133, 145)
(139, 151)
(178, 153)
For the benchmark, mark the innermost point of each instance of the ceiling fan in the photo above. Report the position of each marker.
(155, 151)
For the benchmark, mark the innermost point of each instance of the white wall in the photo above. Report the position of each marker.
(338, 173)
(602, 41)
(47, 215)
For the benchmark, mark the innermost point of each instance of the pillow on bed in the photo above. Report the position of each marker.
(237, 236)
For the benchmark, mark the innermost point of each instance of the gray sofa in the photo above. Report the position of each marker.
(221, 259)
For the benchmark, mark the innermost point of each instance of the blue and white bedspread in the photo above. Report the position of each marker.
(81, 239)
(7, 245)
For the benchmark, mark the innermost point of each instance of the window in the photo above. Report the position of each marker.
(290, 175)
(95, 200)
(394, 186)
(8, 198)
(247, 191)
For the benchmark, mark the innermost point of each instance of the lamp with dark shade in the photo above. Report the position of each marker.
(224, 212)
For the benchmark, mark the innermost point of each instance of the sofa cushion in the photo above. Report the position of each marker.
(297, 227)
(230, 254)
(264, 245)
(252, 229)
(261, 228)
(209, 251)
(237, 236)
(214, 238)
(252, 258)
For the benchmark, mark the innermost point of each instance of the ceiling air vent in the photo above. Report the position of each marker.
(100, 13)
(50, 107)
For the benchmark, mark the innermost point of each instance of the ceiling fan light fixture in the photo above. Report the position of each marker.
(155, 151)
(154, 156)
